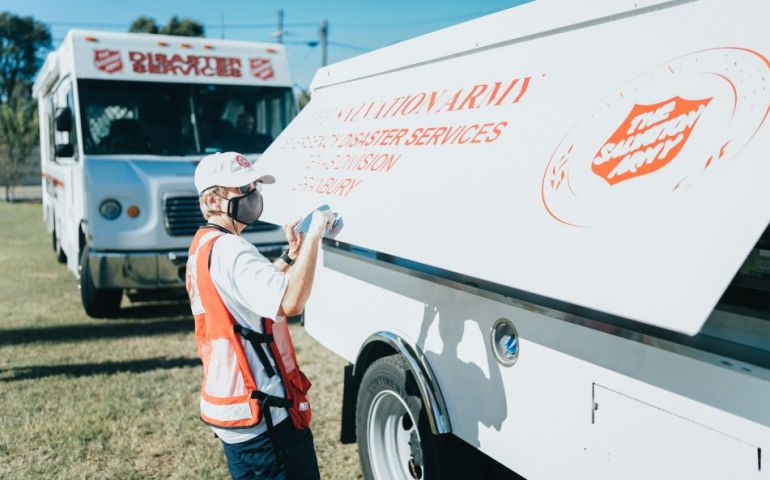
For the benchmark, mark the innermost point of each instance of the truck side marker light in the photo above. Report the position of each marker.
(90, 39)
(504, 341)
(132, 211)
(163, 44)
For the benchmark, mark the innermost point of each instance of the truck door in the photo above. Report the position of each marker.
(66, 157)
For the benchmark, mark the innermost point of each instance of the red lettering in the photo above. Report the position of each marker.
(354, 185)
(413, 103)
(425, 134)
(453, 134)
(497, 131)
(433, 99)
(228, 66)
(342, 186)
(157, 63)
(463, 139)
(415, 135)
(523, 90)
(397, 137)
(207, 69)
(475, 93)
(137, 60)
(434, 139)
(482, 131)
(451, 103)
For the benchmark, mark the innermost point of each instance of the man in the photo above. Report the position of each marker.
(253, 394)
(245, 135)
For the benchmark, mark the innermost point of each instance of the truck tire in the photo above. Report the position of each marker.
(98, 303)
(394, 437)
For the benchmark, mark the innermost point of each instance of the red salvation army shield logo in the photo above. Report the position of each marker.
(243, 161)
(664, 131)
(108, 61)
(261, 68)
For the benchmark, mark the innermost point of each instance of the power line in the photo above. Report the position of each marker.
(88, 24)
(417, 22)
(302, 59)
(216, 25)
(351, 47)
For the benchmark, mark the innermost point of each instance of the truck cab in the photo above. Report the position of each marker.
(124, 119)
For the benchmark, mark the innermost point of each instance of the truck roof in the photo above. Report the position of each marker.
(165, 58)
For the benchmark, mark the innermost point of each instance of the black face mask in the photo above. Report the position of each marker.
(245, 209)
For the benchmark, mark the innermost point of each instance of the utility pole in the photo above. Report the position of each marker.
(279, 33)
(323, 32)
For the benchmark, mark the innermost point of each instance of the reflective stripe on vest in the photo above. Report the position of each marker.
(226, 391)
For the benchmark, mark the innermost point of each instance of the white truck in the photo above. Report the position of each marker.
(552, 260)
(124, 118)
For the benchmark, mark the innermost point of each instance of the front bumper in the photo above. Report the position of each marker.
(149, 270)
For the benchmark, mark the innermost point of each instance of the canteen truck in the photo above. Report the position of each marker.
(555, 258)
(124, 119)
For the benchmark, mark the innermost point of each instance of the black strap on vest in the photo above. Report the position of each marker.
(266, 401)
(257, 340)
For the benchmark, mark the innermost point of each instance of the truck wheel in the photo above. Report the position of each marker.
(61, 257)
(98, 303)
(394, 437)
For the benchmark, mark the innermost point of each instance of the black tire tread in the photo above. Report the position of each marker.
(97, 303)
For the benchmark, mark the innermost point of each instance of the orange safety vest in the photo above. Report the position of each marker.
(229, 395)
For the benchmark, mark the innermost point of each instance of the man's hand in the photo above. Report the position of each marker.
(300, 275)
(322, 221)
(295, 242)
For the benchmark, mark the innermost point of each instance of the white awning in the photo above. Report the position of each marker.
(610, 156)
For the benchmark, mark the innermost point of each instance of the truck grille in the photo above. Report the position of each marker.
(183, 217)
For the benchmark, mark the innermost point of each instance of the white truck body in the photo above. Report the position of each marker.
(143, 110)
(613, 155)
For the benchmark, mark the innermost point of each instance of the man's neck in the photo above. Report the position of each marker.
(227, 223)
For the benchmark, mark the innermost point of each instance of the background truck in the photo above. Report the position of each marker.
(552, 259)
(124, 118)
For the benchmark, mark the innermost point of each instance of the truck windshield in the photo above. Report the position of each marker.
(180, 119)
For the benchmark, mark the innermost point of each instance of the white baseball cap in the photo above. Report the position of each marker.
(228, 169)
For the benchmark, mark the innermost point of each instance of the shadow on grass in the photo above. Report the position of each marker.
(148, 311)
(88, 369)
(142, 326)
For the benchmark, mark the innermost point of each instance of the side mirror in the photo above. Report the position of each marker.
(65, 150)
(64, 120)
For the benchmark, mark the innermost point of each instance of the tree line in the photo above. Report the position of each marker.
(24, 42)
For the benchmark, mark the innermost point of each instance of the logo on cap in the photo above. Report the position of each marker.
(243, 161)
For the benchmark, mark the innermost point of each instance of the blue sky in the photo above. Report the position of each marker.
(354, 26)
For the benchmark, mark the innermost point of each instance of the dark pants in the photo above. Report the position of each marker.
(257, 459)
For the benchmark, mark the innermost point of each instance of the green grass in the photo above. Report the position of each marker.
(84, 398)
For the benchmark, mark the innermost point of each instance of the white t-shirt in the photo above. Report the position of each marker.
(251, 288)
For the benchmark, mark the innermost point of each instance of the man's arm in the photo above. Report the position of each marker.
(301, 273)
(294, 244)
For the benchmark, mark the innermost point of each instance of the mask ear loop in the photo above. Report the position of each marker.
(228, 212)
(232, 212)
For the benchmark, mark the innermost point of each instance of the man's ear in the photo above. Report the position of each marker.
(212, 200)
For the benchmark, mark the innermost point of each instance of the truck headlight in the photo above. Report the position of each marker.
(110, 209)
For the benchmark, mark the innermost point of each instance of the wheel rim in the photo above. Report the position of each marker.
(394, 441)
